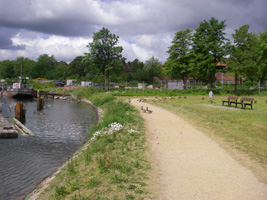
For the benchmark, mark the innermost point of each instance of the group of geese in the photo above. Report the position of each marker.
(142, 109)
(146, 110)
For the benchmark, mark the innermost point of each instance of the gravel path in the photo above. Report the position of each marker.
(189, 165)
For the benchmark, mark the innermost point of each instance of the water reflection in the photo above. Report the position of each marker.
(60, 131)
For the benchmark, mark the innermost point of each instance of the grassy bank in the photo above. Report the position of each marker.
(113, 164)
(243, 130)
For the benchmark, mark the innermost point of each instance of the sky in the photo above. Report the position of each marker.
(63, 28)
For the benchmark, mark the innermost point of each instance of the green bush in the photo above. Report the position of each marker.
(42, 86)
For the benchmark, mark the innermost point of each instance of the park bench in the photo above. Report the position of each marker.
(244, 101)
(230, 100)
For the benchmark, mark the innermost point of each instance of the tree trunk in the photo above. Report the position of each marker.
(236, 80)
(105, 81)
(108, 80)
(185, 81)
(259, 85)
(211, 84)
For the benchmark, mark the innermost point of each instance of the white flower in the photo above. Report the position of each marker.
(132, 131)
(114, 127)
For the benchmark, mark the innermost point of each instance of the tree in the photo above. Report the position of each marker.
(179, 63)
(136, 65)
(152, 68)
(258, 56)
(238, 52)
(248, 55)
(262, 60)
(78, 66)
(45, 63)
(8, 69)
(210, 46)
(59, 73)
(24, 64)
(104, 53)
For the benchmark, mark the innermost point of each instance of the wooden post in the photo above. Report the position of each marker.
(20, 112)
(40, 103)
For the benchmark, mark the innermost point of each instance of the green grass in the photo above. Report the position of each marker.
(116, 167)
(112, 166)
(245, 129)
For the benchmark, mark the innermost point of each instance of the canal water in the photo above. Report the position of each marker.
(60, 130)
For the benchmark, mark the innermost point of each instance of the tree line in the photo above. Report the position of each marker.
(197, 53)
(193, 53)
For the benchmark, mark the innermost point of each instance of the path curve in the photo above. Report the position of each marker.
(190, 165)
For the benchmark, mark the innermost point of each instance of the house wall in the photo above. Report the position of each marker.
(226, 78)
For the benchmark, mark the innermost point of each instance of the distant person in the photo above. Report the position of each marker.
(211, 96)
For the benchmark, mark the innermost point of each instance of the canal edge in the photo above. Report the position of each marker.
(46, 182)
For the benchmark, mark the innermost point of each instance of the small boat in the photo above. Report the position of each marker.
(17, 90)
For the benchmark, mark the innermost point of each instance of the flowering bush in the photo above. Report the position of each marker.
(112, 128)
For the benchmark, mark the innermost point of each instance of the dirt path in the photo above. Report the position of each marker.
(189, 165)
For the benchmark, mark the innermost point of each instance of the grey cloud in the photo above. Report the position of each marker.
(5, 39)
(80, 18)
(125, 18)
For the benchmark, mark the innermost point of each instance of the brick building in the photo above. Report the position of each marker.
(221, 77)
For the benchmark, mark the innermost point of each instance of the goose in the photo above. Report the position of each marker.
(142, 110)
(143, 100)
(148, 111)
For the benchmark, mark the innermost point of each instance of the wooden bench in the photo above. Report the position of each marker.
(244, 101)
(230, 100)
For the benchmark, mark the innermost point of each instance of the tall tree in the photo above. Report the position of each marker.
(262, 60)
(136, 65)
(78, 66)
(179, 63)
(210, 46)
(238, 52)
(45, 63)
(152, 68)
(24, 64)
(8, 69)
(104, 53)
